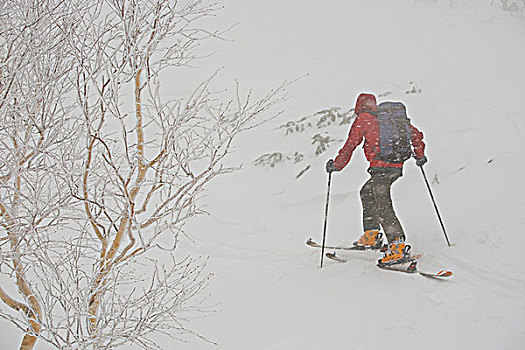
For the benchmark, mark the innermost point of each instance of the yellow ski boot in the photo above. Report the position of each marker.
(397, 253)
(371, 239)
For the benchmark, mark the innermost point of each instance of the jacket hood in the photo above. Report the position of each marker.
(365, 103)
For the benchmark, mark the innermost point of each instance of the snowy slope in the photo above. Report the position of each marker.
(268, 288)
(468, 63)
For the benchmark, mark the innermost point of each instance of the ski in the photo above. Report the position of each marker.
(335, 257)
(439, 275)
(412, 268)
(314, 244)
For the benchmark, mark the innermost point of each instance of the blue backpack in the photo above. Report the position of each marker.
(394, 132)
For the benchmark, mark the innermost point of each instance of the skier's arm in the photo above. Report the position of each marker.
(417, 142)
(355, 137)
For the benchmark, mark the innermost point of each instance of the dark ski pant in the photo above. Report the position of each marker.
(376, 199)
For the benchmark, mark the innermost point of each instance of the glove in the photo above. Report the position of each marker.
(421, 161)
(330, 167)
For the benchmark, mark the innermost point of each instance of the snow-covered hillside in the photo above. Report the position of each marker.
(468, 61)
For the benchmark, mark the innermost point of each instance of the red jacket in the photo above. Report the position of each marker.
(366, 126)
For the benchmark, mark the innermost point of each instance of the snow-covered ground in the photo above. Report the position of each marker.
(469, 62)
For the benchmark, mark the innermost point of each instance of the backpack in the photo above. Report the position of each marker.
(394, 133)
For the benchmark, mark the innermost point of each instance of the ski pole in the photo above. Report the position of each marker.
(435, 205)
(326, 216)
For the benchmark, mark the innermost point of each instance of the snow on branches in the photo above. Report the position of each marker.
(99, 172)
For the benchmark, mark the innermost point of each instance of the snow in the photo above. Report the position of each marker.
(468, 61)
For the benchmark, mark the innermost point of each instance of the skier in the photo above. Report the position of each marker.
(376, 192)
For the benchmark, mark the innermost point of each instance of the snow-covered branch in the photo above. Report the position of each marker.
(99, 171)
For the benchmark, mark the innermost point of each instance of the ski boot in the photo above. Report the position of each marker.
(398, 253)
(371, 239)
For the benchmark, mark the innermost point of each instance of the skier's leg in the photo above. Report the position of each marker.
(382, 180)
(368, 202)
(371, 237)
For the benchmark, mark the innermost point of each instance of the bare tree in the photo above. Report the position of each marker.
(99, 184)
(34, 131)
